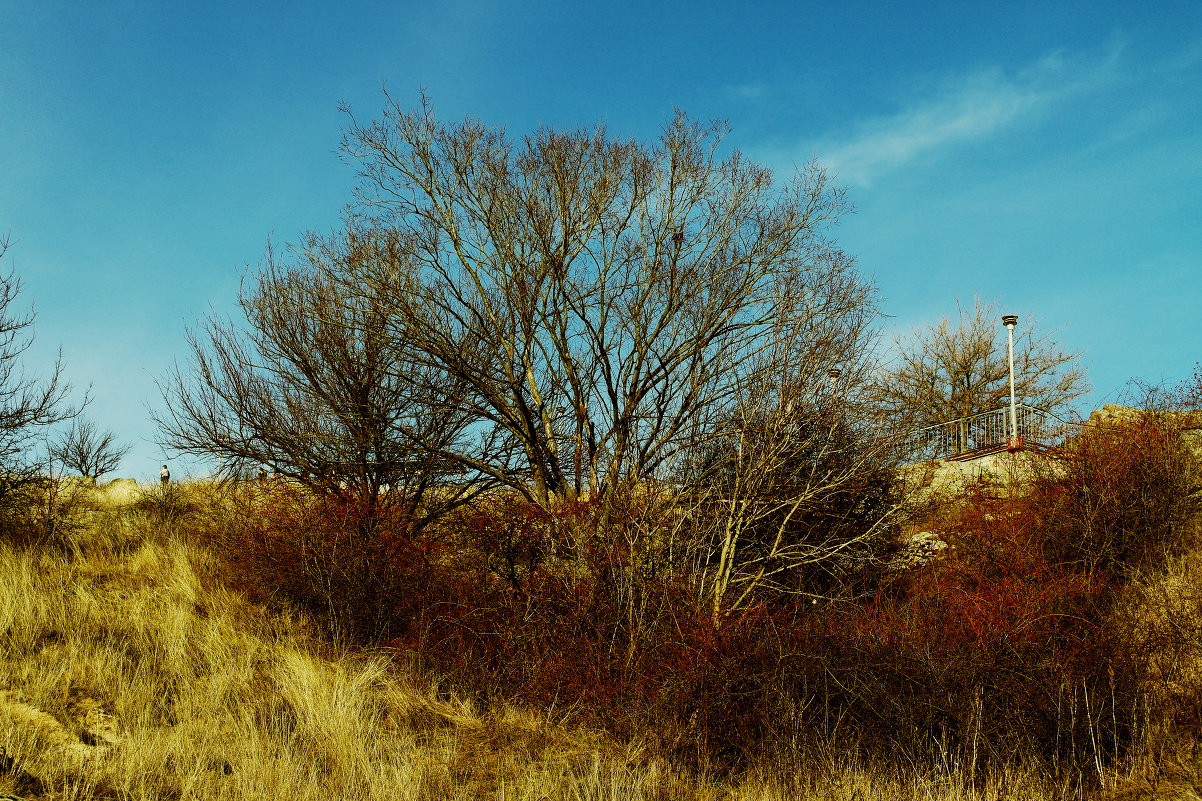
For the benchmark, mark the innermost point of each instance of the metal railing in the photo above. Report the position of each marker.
(989, 432)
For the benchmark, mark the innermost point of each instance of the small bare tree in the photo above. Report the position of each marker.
(87, 450)
(315, 386)
(955, 369)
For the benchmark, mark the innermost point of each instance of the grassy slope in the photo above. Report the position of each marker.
(128, 671)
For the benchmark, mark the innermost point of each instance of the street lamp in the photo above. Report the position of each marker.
(834, 373)
(1016, 443)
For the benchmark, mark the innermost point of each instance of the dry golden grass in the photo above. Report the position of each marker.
(127, 671)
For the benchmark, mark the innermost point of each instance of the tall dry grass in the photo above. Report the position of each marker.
(129, 671)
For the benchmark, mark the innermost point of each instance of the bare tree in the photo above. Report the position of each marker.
(28, 404)
(795, 494)
(600, 303)
(87, 450)
(956, 369)
(314, 386)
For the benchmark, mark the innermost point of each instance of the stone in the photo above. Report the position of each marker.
(120, 492)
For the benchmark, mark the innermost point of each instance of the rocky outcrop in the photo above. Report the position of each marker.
(119, 492)
(920, 548)
(1188, 422)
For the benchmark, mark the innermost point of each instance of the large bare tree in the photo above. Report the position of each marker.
(959, 368)
(314, 385)
(602, 304)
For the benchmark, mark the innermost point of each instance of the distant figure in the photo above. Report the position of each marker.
(165, 475)
(262, 476)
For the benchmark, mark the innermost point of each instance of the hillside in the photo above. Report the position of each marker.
(138, 662)
(130, 672)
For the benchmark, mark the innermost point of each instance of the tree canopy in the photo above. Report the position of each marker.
(601, 303)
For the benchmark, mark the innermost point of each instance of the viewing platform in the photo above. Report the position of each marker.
(989, 433)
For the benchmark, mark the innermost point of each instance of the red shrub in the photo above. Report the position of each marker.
(582, 609)
(360, 567)
(1122, 497)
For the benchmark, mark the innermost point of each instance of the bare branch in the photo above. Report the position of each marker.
(28, 404)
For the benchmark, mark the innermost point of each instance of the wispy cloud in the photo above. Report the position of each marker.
(959, 110)
(746, 91)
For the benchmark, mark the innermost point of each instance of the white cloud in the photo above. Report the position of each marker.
(960, 110)
(747, 91)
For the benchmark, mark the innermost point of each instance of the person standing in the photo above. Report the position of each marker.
(164, 475)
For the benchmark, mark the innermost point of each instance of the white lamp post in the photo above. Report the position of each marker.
(1016, 443)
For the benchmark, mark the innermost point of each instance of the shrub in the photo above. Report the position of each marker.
(363, 570)
(41, 511)
(1121, 499)
(172, 502)
(995, 629)
(1007, 646)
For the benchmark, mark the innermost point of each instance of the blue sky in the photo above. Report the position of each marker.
(1045, 154)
